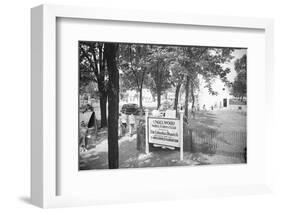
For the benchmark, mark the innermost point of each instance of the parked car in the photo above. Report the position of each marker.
(134, 109)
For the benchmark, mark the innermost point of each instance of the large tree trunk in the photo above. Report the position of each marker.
(113, 105)
(192, 95)
(140, 101)
(103, 101)
(177, 97)
(186, 96)
(158, 99)
(102, 87)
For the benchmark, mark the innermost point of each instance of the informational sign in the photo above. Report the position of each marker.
(164, 131)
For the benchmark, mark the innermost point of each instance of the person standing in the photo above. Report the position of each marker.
(124, 123)
(131, 123)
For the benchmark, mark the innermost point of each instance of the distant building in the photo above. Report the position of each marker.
(223, 99)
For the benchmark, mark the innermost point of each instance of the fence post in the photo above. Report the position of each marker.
(146, 132)
(181, 135)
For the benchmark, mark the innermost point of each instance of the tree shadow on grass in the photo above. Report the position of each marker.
(130, 157)
(204, 121)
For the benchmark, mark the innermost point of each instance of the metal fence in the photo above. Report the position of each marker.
(212, 141)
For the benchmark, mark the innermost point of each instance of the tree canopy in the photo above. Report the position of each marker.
(134, 63)
(92, 67)
(239, 86)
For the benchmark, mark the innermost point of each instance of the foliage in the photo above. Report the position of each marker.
(93, 69)
(133, 63)
(207, 61)
(204, 61)
(92, 63)
(160, 59)
(177, 73)
(239, 86)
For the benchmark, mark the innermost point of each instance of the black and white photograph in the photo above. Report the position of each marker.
(154, 105)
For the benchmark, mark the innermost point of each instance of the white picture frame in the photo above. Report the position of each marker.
(44, 167)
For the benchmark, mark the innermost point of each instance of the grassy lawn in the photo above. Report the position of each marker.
(220, 120)
(219, 135)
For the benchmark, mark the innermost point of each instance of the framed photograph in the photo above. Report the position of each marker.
(130, 106)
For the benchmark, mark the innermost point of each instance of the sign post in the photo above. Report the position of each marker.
(146, 132)
(181, 135)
